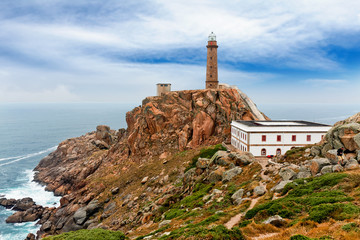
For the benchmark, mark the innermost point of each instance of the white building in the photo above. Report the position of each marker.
(263, 138)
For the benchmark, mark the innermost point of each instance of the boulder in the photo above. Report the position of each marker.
(303, 174)
(357, 140)
(230, 174)
(202, 163)
(317, 164)
(216, 176)
(332, 156)
(8, 203)
(101, 144)
(114, 190)
(328, 146)
(287, 174)
(237, 196)
(46, 226)
(259, 191)
(80, 216)
(242, 159)
(276, 220)
(144, 180)
(351, 164)
(189, 176)
(281, 185)
(337, 168)
(315, 151)
(103, 134)
(92, 207)
(220, 158)
(326, 169)
(164, 223)
(24, 204)
(30, 236)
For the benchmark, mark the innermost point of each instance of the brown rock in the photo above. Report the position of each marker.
(30, 236)
(317, 164)
(103, 134)
(147, 217)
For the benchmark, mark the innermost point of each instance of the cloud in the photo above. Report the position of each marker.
(115, 50)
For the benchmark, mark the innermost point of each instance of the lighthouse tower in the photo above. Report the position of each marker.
(211, 66)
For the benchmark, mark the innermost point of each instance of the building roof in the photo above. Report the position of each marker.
(281, 123)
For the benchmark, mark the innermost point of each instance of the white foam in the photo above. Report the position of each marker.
(19, 158)
(33, 190)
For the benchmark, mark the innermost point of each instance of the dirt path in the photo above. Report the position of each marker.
(237, 218)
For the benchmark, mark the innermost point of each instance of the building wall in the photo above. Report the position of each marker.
(163, 88)
(253, 141)
(211, 66)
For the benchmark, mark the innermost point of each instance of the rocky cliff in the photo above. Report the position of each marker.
(85, 169)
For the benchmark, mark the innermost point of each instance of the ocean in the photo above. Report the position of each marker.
(28, 132)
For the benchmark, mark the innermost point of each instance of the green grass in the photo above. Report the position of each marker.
(205, 153)
(94, 234)
(154, 232)
(173, 213)
(350, 226)
(302, 237)
(216, 233)
(192, 201)
(313, 196)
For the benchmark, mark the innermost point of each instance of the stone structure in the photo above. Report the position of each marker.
(211, 66)
(163, 88)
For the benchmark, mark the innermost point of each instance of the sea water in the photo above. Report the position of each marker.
(28, 132)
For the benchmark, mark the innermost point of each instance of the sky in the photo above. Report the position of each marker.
(282, 51)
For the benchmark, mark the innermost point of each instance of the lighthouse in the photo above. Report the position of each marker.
(211, 65)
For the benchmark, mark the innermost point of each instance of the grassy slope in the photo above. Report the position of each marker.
(315, 207)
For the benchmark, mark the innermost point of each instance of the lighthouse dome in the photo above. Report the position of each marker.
(212, 37)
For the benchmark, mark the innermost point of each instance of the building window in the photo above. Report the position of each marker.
(263, 138)
(210, 75)
(210, 57)
(308, 138)
(245, 137)
(278, 151)
(263, 152)
(210, 66)
(293, 138)
(278, 138)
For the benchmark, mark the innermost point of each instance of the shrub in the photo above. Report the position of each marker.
(94, 234)
(195, 232)
(309, 196)
(173, 213)
(299, 237)
(338, 211)
(350, 226)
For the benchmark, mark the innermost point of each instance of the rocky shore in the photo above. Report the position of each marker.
(159, 128)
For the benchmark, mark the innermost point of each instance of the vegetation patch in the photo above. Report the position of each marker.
(205, 153)
(312, 195)
(94, 234)
(195, 232)
(350, 227)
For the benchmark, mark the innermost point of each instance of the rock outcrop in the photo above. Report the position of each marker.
(163, 125)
